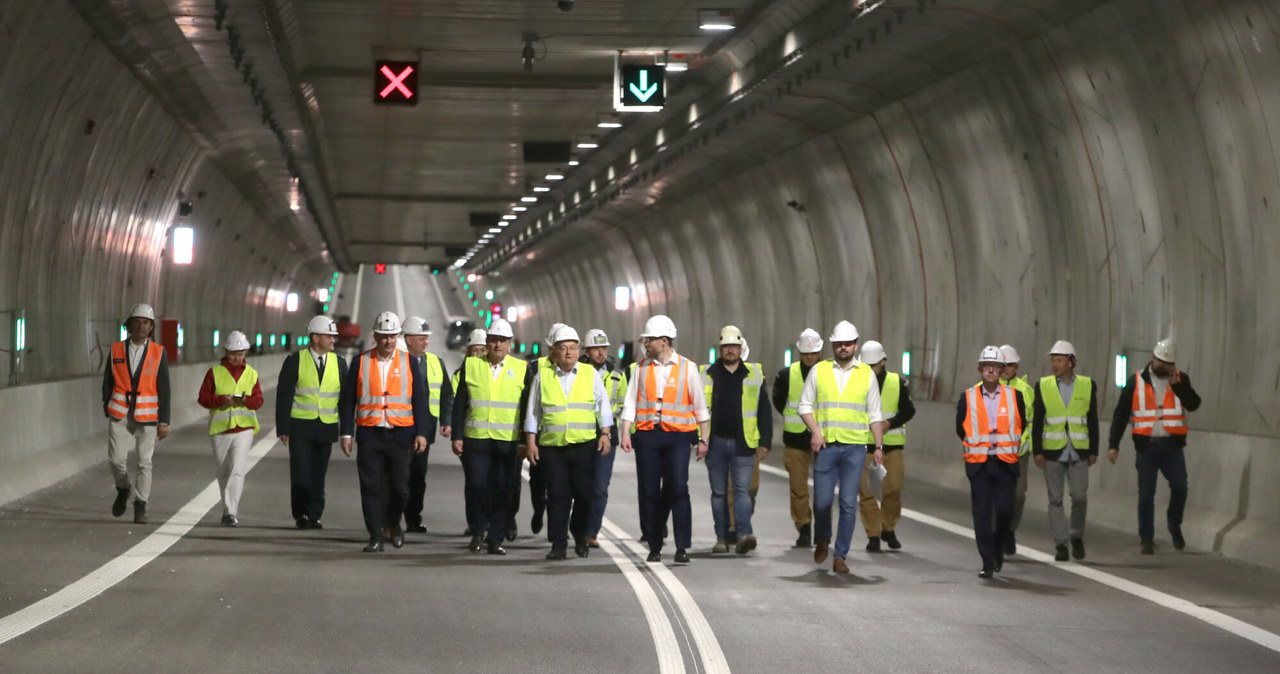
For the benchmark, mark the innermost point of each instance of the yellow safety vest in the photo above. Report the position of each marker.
(236, 416)
(435, 379)
(890, 396)
(494, 412)
(1069, 420)
(617, 393)
(313, 398)
(791, 421)
(571, 420)
(750, 400)
(842, 417)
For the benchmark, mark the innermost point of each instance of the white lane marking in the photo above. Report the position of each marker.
(670, 658)
(435, 285)
(355, 309)
(1220, 620)
(104, 577)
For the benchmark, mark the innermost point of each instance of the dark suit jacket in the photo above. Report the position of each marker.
(446, 392)
(423, 423)
(312, 430)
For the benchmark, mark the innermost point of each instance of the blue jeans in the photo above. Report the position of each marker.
(1160, 456)
(662, 469)
(723, 457)
(602, 473)
(835, 464)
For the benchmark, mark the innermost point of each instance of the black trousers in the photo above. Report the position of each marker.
(308, 465)
(417, 488)
(538, 486)
(490, 464)
(383, 465)
(569, 474)
(991, 487)
(662, 471)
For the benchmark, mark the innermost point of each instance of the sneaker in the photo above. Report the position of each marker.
(139, 512)
(1179, 543)
(805, 539)
(745, 544)
(1077, 548)
(1148, 548)
(121, 503)
(873, 544)
(892, 539)
(1062, 555)
(721, 547)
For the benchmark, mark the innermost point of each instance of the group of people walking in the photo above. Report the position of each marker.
(569, 412)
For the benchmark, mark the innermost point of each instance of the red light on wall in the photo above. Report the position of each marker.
(379, 268)
(395, 82)
(496, 308)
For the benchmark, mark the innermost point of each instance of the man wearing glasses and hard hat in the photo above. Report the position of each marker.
(135, 400)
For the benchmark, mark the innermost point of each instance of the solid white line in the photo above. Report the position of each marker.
(355, 309)
(106, 576)
(435, 285)
(1220, 620)
(670, 658)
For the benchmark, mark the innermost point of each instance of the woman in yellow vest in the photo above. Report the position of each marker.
(232, 395)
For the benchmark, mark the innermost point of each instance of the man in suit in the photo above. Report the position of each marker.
(417, 335)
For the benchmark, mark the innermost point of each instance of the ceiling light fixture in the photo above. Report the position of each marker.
(716, 19)
(555, 176)
(508, 217)
(573, 162)
(588, 146)
(529, 200)
(542, 189)
(520, 209)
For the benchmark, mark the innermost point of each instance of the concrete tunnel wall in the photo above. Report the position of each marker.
(1109, 183)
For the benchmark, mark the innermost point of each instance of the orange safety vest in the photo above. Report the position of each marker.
(676, 413)
(146, 400)
(1146, 413)
(978, 436)
(392, 400)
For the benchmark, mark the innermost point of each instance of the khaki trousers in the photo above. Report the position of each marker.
(799, 464)
(124, 436)
(231, 454)
(884, 514)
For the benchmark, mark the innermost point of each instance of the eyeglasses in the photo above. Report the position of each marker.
(990, 366)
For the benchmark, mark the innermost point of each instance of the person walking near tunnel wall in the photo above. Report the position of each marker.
(880, 516)
(1009, 377)
(231, 393)
(797, 457)
(1064, 439)
(417, 337)
(135, 400)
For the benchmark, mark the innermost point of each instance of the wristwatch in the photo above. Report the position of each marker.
(702, 441)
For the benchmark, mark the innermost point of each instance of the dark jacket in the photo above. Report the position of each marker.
(725, 407)
(1181, 383)
(906, 408)
(781, 390)
(462, 400)
(311, 430)
(162, 386)
(446, 392)
(1037, 425)
(423, 423)
(962, 410)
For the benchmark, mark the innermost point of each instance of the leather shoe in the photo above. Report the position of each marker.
(892, 539)
(121, 503)
(987, 573)
(839, 566)
(654, 556)
(805, 539)
(475, 544)
(999, 561)
(229, 520)
(820, 551)
(496, 549)
(557, 554)
(580, 547)
(300, 522)
(397, 538)
(1010, 546)
(682, 556)
(535, 524)
(373, 546)
(1179, 542)
(873, 544)
(592, 542)
(746, 544)
(314, 524)
(511, 529)
(1077, 548)
(1061, 555)
(416, 528)
(1148, 548)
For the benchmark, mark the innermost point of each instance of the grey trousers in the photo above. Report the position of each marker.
(1076, 476)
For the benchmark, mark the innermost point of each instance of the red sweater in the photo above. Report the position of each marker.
(209, 400)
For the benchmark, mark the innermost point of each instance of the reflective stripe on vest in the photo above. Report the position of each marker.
(1146, 413)
(571, 420)
(889, 399)
(791, 421)
(146, 400)
(391, 400)
(315, 398)
(1063, 421)
(617, 392)
(676, 413)
(494, 411)
(435, 379)
(980, 439)
(750, 400)
(236, 416)
(842, 416)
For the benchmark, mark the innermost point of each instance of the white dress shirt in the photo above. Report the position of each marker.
(533, 410)
(693, 382)
(809, 394)
(136, 352)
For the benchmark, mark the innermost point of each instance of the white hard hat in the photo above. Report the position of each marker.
(551, 334)
(730, 334)
(872, 352)
(236, 341)
(844, 332)
(596, 337)
(564, 333)
(477, 337)
(1062, 348)
(142, 310)
(322, 325)
(659, 326)
(416, 326)
(810, 341)
(500, 328)
(387, 323)
(1010, 354)
(1166, 350)
(991, 354)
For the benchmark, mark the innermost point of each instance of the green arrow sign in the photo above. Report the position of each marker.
(641, 87)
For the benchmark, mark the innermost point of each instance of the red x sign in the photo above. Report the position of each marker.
(395, 82)
(379, 268)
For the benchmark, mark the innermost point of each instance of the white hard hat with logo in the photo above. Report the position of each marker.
(141, 310)
(322, 325)
(991, 354)
(659, 326)
(387, 323)
(844, 332)
(1062, 348)
(551, 334)
(810, 341)
(872, 352)
(596, 337)
(1010, 354)
(564, 333)
(1166, 350)
(416, 326)
(500, 328)
(730, 334)
(236, 341)
(477, 337)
